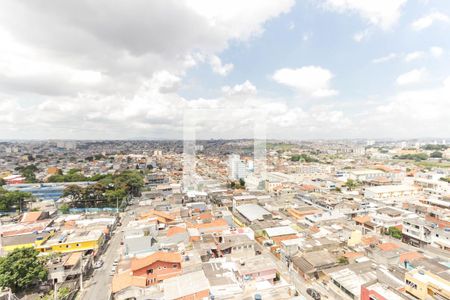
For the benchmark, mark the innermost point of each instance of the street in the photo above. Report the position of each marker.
(98, 287)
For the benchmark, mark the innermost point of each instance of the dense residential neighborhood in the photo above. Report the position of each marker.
(355, 221)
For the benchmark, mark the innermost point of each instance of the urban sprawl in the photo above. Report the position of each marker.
(320, 219)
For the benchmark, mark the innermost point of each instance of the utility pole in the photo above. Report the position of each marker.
(81, 273)
(55, 291)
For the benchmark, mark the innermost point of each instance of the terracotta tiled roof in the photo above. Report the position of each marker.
(124, 280)
(353, 254)
(161, 216)
(410, 256)
(30, 217)
(215, 223)
(139, 263)
(175, 230)
(388, 246)
(203, 216)
(367, 240)
(362, 219)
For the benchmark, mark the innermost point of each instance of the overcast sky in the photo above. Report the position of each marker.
(82, 69)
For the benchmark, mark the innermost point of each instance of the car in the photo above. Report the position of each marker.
(116, 262)
(98, 264)
(113, 270)
(313, 293)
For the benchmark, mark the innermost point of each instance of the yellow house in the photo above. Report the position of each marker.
(9, 243)
(70, 241)
(423, 284)
(4, 174)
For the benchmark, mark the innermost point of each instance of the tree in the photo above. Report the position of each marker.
(73, 191)
(28, 173)
(10, 199)
(21, 269)
(2, 182)
(242, 182)
(351, 184)
(303, 157)
(416, 157)
(395, 232)
(64, 208)
(343, 260)
(446, 179)
(436, 154)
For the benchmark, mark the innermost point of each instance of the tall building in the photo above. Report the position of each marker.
(236, 167)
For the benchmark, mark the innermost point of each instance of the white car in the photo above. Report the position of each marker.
(98, 264)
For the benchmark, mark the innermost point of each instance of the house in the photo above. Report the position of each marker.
(163, 218)
(258, 268)
(250, 213)
(27, 239)
(123, 282)
(390, 193)
(417, 232)
(280, 233)
(390, 217)
(389, 285)
(157, 266)
(222, 279)
(67, 266)
(216, 226)
(347, 280)
(424, 284)
(365, 175)
(237, 247)
(310, 264)
(73, 240)
(189, 286)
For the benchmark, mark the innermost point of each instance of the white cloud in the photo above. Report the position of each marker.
(414, 56)
(70, 38)
(381, 13)
(385, 58)
(218, 67)
(166, 81)
(246, 88)
(428, 20)
(306, 37)
(413, 76)
(436, 51)
(361, 36)
(411, 113)
(312, 81)
(291, 26)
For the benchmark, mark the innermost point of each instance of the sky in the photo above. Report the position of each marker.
(323, 69)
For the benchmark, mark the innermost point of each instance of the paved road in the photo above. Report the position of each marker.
(99, 286)
(294, 278)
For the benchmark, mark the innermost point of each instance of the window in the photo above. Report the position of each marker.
(411, 284)
(78, 245)
(150, 271)
(174, 266)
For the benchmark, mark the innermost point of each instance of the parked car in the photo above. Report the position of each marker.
(116, 262)
(313, 293)
(113, 270)
(98, 264)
